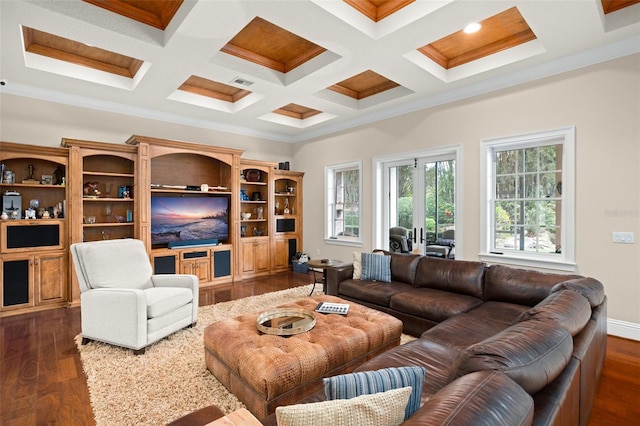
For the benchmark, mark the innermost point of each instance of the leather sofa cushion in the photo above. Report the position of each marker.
(480, 398)
(403, 266)
(499, 311)
(566, 307)
(590, 288)
(463, 277)
(533, 353)
(375, 292)
(520, 286)
(464, 330)
(440, 361)
(431, 304)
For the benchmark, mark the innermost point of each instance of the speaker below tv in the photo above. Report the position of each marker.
(193, 243)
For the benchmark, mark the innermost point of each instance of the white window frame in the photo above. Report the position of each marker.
(564, 261)
(381, 190)
(330, 188)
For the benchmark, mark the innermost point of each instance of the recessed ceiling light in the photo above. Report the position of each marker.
(471, 28)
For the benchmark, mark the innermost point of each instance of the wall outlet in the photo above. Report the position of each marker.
(623, 237)
(318, 252)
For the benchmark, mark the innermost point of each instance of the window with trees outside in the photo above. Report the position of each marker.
(529, 197)
(422, 197)
(343, 189)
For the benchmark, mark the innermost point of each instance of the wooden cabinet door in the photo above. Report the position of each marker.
(282, 254)
(261, 255)
(203, 266)
(187, 267)
(197, 267)
(50, 273)
(248, 257)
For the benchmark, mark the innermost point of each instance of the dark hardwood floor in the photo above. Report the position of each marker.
(43, 383)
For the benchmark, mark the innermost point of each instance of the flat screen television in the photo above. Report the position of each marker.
(189, 220)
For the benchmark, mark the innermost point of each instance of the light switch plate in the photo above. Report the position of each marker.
(623, 237)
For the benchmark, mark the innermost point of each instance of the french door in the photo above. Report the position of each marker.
(422, 197)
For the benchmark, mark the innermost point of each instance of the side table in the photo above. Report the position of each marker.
(322, 264)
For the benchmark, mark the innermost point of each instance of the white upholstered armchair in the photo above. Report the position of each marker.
(122, 303)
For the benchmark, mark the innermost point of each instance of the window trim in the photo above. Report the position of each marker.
(380, 225)
(564, 261)
(329, 182)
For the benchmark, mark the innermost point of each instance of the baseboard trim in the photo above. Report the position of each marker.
(627, 330)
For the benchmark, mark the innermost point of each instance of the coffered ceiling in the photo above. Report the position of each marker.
(294, 70)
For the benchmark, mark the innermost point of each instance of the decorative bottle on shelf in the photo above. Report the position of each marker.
(286, 206)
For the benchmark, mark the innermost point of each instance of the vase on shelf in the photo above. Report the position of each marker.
(107, 212)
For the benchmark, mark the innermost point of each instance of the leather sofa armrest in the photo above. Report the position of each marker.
(484, 397)
(335, 275)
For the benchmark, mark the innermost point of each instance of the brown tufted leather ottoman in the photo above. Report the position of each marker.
(266, 371)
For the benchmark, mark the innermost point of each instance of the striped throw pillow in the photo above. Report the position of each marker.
(351, 385)
(376, 267)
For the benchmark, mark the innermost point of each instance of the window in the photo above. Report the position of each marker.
(422, 197)
(421, 191)
(343, 190)
(528, 186)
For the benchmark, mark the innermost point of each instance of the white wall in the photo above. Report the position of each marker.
(602, 101)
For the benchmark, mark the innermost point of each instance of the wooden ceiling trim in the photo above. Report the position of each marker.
(251, 56)
(365, 7)
(609, 6)
(71, 51)
(492, 48)
(382, 87)
(344, 91)
(377, 10)
(390, 7)
(213, 89)
(155, 13)
(363, 85)
(305, 56)
(435, 55)
(297, 111)
(499, 32)
(266, 44)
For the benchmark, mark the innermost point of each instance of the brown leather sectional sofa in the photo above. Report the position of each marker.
(502, 346)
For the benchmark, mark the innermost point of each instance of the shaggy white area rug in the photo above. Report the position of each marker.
(171, 378)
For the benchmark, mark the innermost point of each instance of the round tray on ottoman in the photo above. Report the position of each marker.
(265, 371)
(286, 321)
